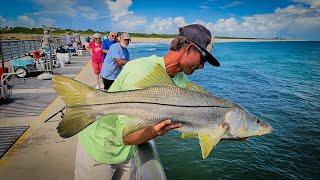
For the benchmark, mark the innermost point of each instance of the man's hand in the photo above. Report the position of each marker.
(150, 132)
(120, 62)
(164, 126)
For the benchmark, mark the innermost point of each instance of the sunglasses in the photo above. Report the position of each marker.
(113, 35)
(127, 40)
(202, 54)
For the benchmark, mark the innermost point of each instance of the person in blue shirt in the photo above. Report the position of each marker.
(117, 56)
(106, 43)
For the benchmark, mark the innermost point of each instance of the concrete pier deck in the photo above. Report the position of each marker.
(39, 153)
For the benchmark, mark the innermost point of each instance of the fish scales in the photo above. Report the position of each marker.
(193, 110)
(202, 115)
(169, 95)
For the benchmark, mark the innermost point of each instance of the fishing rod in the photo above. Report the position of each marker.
(60, 111)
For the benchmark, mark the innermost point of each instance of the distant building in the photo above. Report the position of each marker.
(279, 38)
(6, 29)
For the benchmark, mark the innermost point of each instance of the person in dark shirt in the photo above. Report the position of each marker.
(108, 42)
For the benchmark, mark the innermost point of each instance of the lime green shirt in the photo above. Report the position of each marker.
(103, 138)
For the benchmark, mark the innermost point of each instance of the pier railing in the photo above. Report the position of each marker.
(12, 49)
(148, 162)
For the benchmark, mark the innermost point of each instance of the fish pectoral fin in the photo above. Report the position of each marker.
(207, 142)
(156, 77)
(75, 120)
(194, 87)
(188, 135)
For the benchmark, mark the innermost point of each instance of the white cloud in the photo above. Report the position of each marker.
(52, 8)
(2, 21)
(204, 7)
(312, 3)
(226, 25)
(130, 23)
(294, 20)
(66, 7)
(22, 20)
(26, 21)
(300, 20)
(87, 12)
(119, 8)
(122, 18)
(290, 10)
(232, 4)
(166, 25)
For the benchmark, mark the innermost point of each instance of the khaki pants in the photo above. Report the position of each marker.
(87, 168)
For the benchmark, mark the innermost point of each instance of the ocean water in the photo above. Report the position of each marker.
(279, 82)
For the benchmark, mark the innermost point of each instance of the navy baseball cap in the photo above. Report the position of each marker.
(201, 36)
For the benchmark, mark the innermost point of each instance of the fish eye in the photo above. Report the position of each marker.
(258, 121)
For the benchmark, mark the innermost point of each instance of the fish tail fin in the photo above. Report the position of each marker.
(75, 120)
(75, 95)
(72, 92)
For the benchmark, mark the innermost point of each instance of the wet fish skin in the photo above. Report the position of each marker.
(197, 112)
(203, 115)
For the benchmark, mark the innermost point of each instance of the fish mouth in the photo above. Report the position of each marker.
(265, 128)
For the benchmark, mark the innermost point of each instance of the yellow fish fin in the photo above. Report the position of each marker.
(207, 142)
(156, 77)
(75, 120)
(75, 95)
(72, 92)
(188, 135)
(194, 87)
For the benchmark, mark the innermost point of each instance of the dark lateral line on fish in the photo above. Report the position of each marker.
(128, 102)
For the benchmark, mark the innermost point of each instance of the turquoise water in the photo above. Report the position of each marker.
(279, 82)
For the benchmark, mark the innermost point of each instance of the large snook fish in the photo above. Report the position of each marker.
(202, 114)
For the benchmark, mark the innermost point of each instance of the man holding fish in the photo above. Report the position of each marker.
(150, 97)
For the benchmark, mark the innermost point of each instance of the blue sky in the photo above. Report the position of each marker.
(241, 18)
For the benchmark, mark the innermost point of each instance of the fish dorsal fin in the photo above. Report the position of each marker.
(207, 142)
(194, 87)
(188, 135)
(156, 77)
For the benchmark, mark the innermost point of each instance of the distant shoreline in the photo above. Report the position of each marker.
(134, 39)
(217, 40)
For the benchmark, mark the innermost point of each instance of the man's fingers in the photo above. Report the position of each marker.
(172, 126)
(161, 124)
(164, 126)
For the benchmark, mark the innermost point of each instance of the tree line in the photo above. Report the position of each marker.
(59, 31)
(26, 30)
